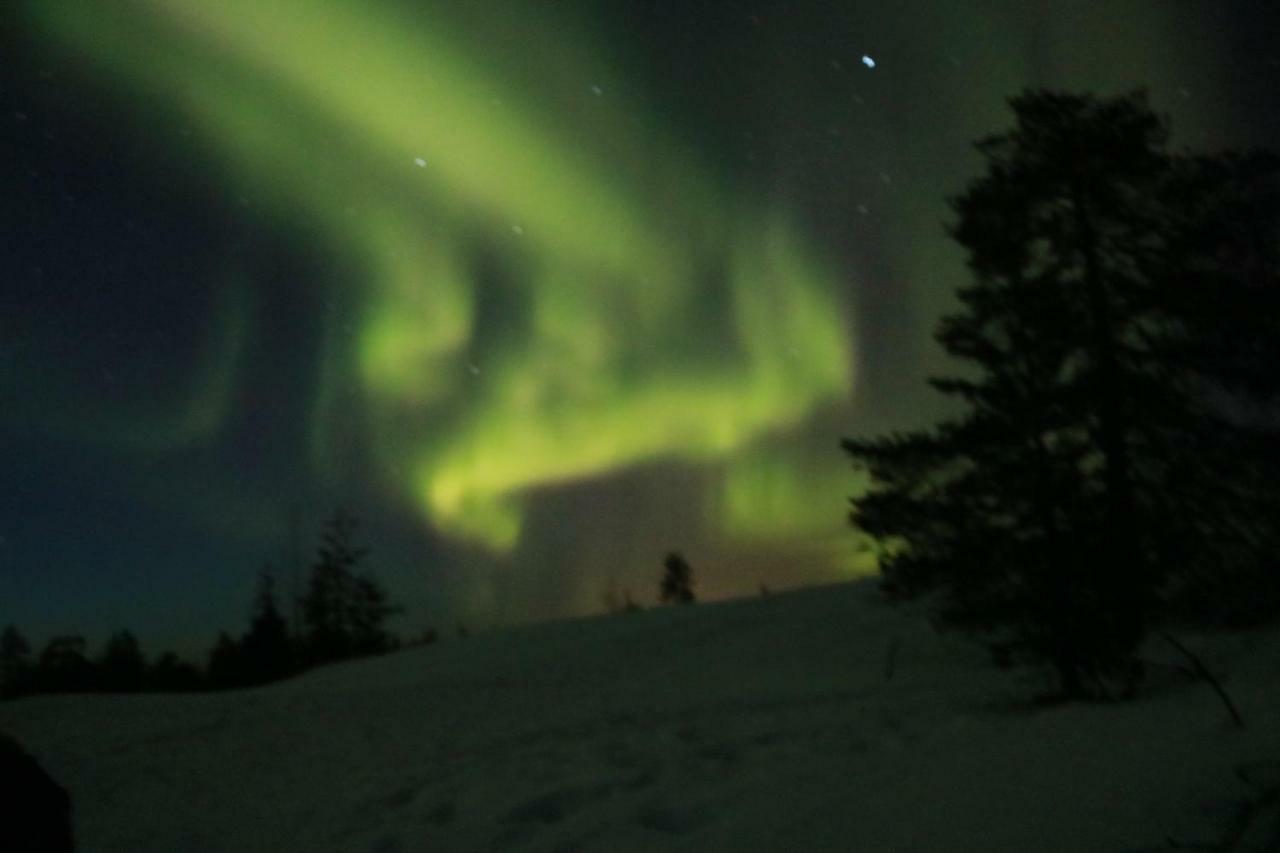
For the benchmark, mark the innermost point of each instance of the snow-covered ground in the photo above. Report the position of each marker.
(755, 725)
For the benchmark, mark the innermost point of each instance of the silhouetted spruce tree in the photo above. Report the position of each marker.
(1222, 468)
(121, 668)
(677, 580)
(172, 674)
(1050, 510)
(63, 666)
(343, 612)
(226, 666)
(267, 648)
(369, 609)
(325, 606)
(15, 663)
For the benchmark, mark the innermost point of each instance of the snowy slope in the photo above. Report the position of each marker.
(747, 726)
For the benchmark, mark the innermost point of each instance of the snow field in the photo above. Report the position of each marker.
(753, 725)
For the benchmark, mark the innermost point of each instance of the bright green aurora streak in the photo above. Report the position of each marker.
(657, 315)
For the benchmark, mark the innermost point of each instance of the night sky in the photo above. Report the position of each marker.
(539, 291)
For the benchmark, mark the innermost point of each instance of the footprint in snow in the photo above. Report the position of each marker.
(443, 814)
(555, 806)
(673, 820)
(387, 844)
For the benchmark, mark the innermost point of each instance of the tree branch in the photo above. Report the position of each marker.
(1208, 676)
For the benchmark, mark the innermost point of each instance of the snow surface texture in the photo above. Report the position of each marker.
(761, 725)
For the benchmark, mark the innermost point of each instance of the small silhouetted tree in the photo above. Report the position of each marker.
(677, 581)
(15, 663)
(63, 666)
(172, 674)
(343, 611)
(325, 603)
(121, 668)
(226, 663)
(267, 649)
(369, 608)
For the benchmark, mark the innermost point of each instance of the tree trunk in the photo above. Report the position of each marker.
(1129, 587)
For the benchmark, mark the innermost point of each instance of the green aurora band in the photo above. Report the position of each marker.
(551, 288)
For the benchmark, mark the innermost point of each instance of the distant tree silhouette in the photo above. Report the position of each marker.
(345, 616)
(172, 674)
(226, 663)
(325, 604)
(15, 663)
(343, 612)
(267, 650)
(63, 667)
(121, 668)
(1051, 511)
(369, 609)
(677, 581)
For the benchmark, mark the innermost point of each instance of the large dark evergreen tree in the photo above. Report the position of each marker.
(1051, 510)
(1221, 291)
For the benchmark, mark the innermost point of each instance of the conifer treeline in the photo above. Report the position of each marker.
(344, 611)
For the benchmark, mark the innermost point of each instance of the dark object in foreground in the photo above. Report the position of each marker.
(35, 811)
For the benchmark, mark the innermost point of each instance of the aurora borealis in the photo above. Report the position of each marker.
(540, 293)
